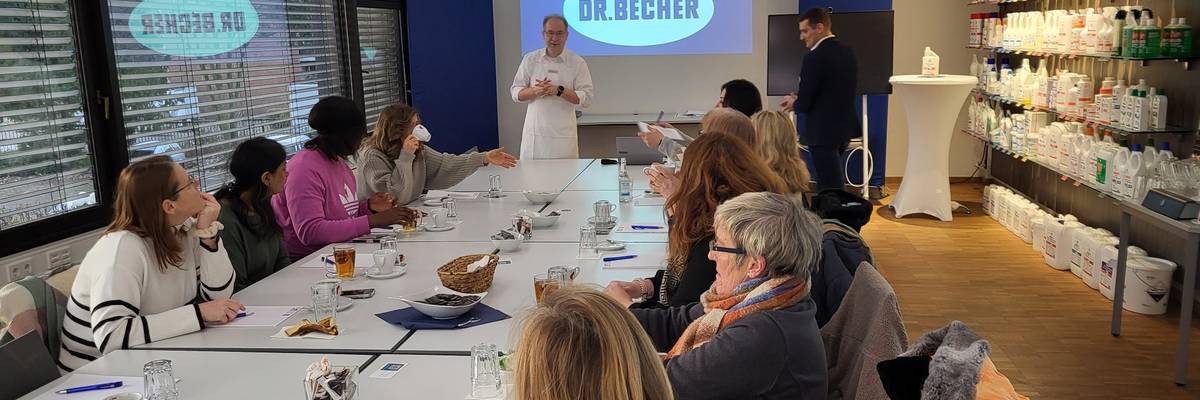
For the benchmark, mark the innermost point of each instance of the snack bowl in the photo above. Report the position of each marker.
(435, 311)
(507, 245)
(541, 196)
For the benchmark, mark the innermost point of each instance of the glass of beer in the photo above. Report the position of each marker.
(343, 259)
(543, 284)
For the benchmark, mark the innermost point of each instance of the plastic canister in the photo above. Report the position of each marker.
(1148, 285)
(1064, 243)
(1091, 255)
(1024, 228)
(1052, 237)
(988, 192)
(1037, 228)
(1108, 267)
(1079, 242)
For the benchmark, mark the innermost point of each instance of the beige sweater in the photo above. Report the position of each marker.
(406, 176)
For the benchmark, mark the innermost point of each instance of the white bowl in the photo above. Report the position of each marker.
(541, 196)
(507, 245)
(440, 312)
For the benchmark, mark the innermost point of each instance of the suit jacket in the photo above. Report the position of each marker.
(828, 82)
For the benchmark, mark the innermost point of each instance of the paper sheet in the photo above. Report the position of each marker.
(644, 260)
(628, 228)
(642, 201)
(262, 316)
(129, 384)
(361, 261)
(695, 113)
(437, 194)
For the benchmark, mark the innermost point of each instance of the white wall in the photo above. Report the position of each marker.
(943, 26)
(645, 84)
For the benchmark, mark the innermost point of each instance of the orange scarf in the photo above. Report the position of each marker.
(752, 296)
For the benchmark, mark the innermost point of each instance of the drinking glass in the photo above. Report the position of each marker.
(485, 371)
(588, 244)
(495, 191)
(159, 383)
(451, 210)
(343, 259)
(603, 211)
(325, 300)
(563, 273)
(543, 284)
(412, 225)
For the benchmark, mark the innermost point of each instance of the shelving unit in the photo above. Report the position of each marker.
(1118, 129)
(1185, 61)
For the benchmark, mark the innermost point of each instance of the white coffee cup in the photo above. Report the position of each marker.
(437, 217)
(385, 261)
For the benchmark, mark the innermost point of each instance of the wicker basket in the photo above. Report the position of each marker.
(454, 274)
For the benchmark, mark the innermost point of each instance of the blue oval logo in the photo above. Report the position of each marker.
(638, 22)
(193, 28)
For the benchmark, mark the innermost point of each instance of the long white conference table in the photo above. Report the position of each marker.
(246, 362)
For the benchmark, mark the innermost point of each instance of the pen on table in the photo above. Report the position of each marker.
(619, 258)
(645, 227)
(244, 314)
(99, 386)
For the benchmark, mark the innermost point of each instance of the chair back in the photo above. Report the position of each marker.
(31, 305)
(28, 364)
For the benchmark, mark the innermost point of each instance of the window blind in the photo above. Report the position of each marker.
(46, 163)
(379, 33)
(197, 108)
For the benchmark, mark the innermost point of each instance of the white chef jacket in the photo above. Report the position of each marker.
(550, 128)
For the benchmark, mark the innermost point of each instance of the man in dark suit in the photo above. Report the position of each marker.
(825, 100)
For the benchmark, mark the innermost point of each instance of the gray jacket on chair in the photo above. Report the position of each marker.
(866, 329)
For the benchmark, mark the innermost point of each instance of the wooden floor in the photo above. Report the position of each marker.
(1048, 331)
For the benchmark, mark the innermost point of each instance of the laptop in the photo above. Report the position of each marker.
(28, 355)
(635, 151)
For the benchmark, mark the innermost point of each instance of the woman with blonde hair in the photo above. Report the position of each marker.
(718, 167)
(578, 344)
(776, 143)
(395, 160)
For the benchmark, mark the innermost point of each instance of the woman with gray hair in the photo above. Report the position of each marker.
(753, 334)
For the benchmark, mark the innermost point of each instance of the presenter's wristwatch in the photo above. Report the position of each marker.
(560, 91)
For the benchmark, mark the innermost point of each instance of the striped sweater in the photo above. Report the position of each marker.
(406, 176)
(122, 299)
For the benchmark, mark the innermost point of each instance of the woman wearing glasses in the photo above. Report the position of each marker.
(141, 280)
(754, 333)
(718, 167)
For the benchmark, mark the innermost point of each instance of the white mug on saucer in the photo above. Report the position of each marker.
(437, 217)
(385, 262)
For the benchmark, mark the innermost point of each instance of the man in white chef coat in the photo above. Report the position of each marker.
(554, 81)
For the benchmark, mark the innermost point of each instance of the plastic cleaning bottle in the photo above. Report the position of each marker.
(1104, 34)
(1168, 38)
(1135, 170)
(1043, 89)
(1114, 114)
(930, 63)
(1103, 101)
(1086, 96)
(1131, 22)
(1184, 43)
(1120, 163)
(1164, 153)
(1089, 156)
(1118, 25)
(1077, 39)
(1105, 161)
(1150, 155)
(1158, 109)
(975, 66)
(1152, 38)
(1091, 31)
(1141, 117)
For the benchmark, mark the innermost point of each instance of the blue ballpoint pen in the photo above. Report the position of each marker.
(645, 227)
(99, 386)
(619, 258)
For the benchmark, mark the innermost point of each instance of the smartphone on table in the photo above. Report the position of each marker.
(359, 293)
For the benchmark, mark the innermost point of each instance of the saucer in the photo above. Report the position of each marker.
(611, 222)
(400, 270)
(434, 202)
(610, 245)
(435, 229)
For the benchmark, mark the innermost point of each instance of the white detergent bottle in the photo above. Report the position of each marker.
(1118, 170)
(1158, 109)
(1150, 154)
(975, 66)
(1135, 169)
(930, 63)
(1118, 92)
(1164, 153)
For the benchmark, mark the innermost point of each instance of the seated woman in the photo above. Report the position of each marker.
(718, 167)
(393, 160)
(580, 345)
(717, 120)
(776, 143)
(754, 333)
(318, 205)
(738, 95)
(251, 235)
(159, 270)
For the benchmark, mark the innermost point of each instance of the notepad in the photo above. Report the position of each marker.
(261, 316)
(643, 201)
(128, 384)
(628, 228)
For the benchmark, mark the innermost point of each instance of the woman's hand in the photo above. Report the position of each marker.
(500, 159)
(220, 311)
(210, 212)
(624, 292)
(380, 202)
(411, 145)
(663, 181)
(392, 216)
(653, 138)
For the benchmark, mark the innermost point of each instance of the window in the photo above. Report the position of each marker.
(198, 77)
(379, 33)
(46, 163)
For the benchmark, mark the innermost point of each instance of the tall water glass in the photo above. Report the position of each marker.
(485, 371)
(495, 190)
(588, 244)
(391, 243)
(159, 381)
(325, 300)
(451, 209)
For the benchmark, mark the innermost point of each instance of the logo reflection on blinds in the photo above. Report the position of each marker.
(193, 28)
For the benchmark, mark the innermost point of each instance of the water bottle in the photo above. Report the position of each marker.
(624, 184)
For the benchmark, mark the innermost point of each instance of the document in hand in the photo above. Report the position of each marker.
(669, 133)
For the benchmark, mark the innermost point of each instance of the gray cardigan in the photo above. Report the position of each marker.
(406, 176)
(775, 354)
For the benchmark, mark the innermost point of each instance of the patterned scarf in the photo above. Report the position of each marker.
(759, 294)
